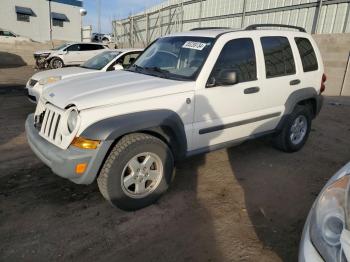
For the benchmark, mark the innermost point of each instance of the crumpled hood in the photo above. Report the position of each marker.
(43, 52)
(99, 89)
(63, 72)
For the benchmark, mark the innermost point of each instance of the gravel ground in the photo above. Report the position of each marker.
(246, 203)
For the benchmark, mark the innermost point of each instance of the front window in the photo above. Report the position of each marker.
(100, 61)
(179, 58)
(61, 46)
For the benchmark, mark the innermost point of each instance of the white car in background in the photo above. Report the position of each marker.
(7, 36)
(109, 60)
(326, 234)
(67, 54)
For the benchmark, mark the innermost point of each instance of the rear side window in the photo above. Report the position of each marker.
(278, 56)
(87, 47)
(307, 54)
(238, 55)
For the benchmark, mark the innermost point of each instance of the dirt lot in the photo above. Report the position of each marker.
(246, 203)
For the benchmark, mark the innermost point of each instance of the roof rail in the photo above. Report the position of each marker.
(255, 26)
(208, 28)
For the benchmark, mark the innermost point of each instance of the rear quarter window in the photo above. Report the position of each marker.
(278, 55)
(307, 54)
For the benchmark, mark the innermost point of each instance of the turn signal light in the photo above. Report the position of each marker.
(85, 143)
(80, 168)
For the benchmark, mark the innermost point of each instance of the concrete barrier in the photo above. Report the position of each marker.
(335, 50)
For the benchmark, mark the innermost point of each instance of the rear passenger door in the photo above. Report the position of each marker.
(89, 50)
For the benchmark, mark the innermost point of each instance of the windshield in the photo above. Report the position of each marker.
(61, 46)
(101, 60)
(178, 58)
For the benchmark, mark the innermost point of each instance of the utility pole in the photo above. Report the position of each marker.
(50, 18)
(99, 15)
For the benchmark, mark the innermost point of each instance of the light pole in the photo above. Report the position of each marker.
(82, 12)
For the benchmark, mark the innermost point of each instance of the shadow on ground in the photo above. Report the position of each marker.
(10, 60)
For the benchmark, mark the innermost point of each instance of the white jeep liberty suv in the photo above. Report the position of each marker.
(188, 93)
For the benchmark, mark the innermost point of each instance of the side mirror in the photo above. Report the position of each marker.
(227, 77)
(132, 60)
(118, 67)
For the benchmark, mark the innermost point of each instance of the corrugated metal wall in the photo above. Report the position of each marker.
(178, 15)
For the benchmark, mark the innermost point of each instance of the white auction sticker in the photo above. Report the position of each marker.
(194, 45)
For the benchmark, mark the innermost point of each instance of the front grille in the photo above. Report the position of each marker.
(32, 82)
(49, 124)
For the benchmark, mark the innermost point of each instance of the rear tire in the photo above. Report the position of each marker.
(295, 130)
(137, 172)
(56, 63)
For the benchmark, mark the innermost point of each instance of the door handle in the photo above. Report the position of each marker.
(251, 90)
(294, 82)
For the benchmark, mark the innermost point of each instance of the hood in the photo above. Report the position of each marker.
(113, 87)
(63, 72)
(43, 52)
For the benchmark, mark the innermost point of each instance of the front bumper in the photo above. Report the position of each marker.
(63, 162)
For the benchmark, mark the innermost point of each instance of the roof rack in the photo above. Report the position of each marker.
(208, 28)
(255, 26)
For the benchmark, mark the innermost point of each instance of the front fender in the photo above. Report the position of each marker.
(165, 123)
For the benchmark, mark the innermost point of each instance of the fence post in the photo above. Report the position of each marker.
(243, 13)
(132, 31)
(345, 75)
(317, 17)
(147, 29)
(200, 13)
(346, 19)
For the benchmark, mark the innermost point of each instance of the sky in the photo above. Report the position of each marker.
(113, 9)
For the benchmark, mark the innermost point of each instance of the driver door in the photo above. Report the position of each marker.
(225, 113)
(73, 55)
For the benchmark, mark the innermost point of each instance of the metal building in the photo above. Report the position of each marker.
(42, 20)
(316, 16)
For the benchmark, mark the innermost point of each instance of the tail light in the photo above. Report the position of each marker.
(323, 87)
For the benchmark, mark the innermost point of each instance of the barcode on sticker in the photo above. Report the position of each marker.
(194, 45)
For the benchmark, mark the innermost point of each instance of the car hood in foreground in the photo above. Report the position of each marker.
(63, 72)
(99, 89)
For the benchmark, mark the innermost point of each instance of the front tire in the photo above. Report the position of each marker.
(56, 63)
(137, 172)
(295, 130)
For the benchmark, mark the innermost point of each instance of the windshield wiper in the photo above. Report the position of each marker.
(136, 67)
(164, 73)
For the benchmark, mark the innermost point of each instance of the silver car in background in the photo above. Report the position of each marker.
(110, 60)
(326, 234)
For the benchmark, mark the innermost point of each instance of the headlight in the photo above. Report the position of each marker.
(49, 80)
(329, 219)
(72, 120)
